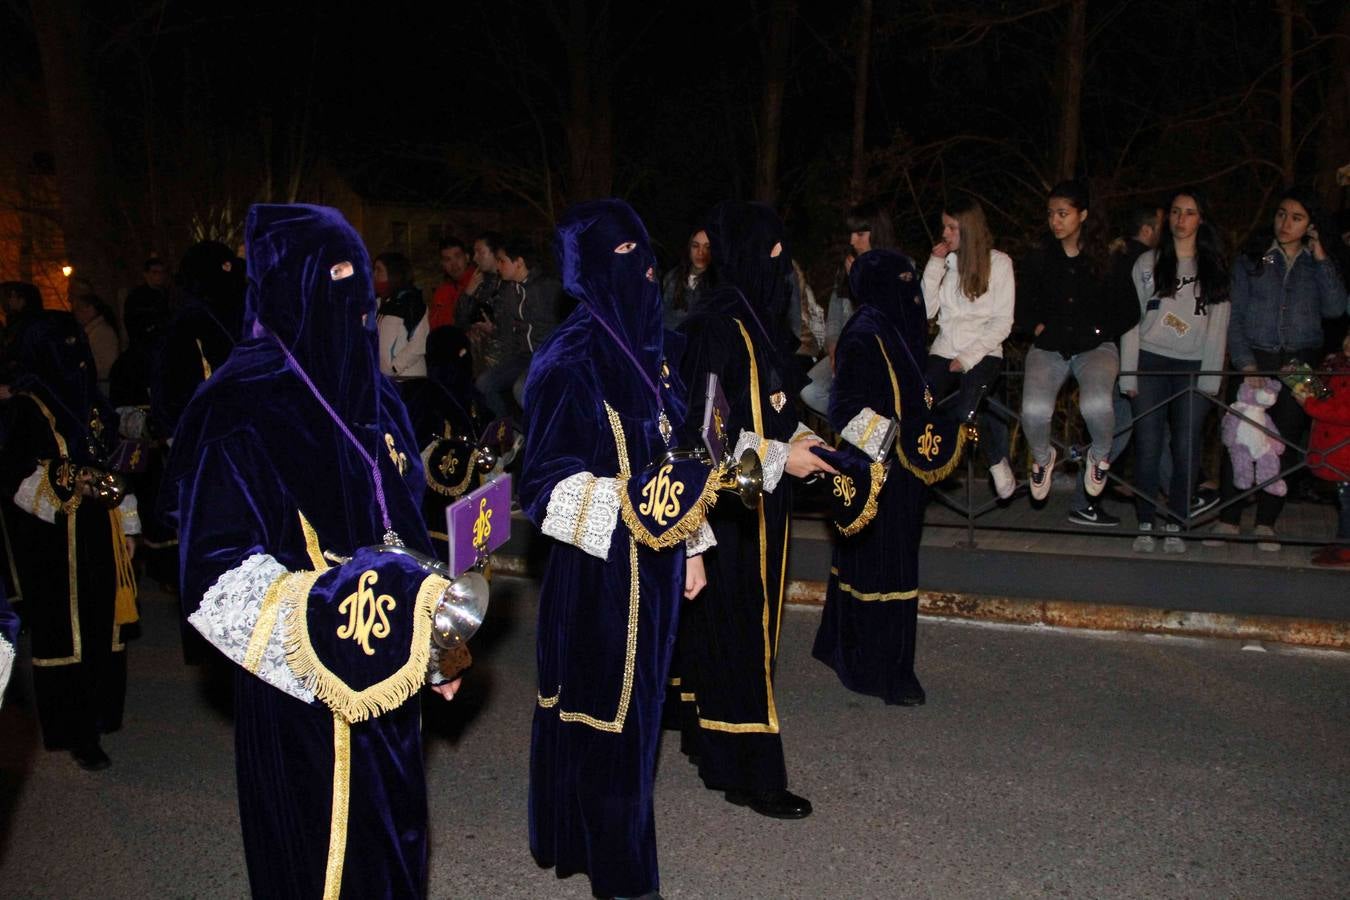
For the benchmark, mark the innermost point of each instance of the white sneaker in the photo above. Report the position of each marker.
(1221, 530)
(1270, 546)
(1041, 477)
(1145, 543)
(1173, 542)
(1094, 479)
(1004, 482)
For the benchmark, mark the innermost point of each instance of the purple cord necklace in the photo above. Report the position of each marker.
(390, 535)
(662, 423)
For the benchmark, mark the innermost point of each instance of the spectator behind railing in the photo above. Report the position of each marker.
(1329, 448)
(1183, 290)
(1283, 287)
(687, 281)
(969, 286)
(1075, 319)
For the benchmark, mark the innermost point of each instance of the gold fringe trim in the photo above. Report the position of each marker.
(337, 825)
(381, 697)
(681, 530)
(869, 512)
(458, 489)
(933, 476)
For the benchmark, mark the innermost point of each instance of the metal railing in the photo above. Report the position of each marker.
(972, 511)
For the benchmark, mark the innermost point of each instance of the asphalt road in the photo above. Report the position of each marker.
(1045, 764)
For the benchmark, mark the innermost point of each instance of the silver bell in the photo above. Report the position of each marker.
(460, 610)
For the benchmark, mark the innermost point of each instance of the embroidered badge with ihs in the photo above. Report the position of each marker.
(844, 489)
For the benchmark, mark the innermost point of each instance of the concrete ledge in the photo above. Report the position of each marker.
(1314, 633)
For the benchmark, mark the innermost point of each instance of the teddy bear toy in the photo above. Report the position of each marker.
(1255, 454)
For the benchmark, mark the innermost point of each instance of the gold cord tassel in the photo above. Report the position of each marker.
(124, 605)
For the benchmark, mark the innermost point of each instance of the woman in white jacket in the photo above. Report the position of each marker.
(968, 285)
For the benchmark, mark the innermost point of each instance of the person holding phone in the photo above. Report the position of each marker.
(1284, 285)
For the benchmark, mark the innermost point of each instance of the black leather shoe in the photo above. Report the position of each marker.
(781, 804)
(91, 757)
(912, 695)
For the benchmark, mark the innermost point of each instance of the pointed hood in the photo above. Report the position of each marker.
(309, 284)
(608, 265)
(52, 361)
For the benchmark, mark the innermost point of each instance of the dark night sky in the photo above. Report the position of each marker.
(397, 90)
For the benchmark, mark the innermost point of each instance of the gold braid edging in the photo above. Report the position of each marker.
(869, 512)
(381, 697)
(337, 823)
(458, 489)
(933, 476)
(681, 530)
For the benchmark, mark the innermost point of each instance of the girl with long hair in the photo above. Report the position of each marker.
(1283, 287)
(1183, 293)
(1066, 306)
(969, 286)
(688, 281)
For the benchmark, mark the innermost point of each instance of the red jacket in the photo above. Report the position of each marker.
(1331, 425)
(441, 311)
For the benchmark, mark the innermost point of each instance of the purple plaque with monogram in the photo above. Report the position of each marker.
(478, 523)
(716, 412)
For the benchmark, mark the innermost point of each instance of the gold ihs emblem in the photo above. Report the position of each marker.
(845, 489)
(367, 614)
(661, 496)
(719, 427)
(448, 465)
(929, 443)
(400, 459)
(482, 526)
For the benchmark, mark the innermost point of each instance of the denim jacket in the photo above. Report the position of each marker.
(1280, 308)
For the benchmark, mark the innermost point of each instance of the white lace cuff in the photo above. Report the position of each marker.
(772, 456)
(434, 676)
(583, 511)
(6, 666)
(866, 431)
(131, 515)
(700, 541)
(240, 607)
(31, 498)
(131, 422)
(803, 433)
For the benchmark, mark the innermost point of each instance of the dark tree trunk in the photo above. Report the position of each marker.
(860, 79)
(1287, 90)
(77, 144)
(771, 109)
(1333, 148)
(589, 122)
(1071, 91)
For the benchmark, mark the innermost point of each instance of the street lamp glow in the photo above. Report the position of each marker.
(67, 271)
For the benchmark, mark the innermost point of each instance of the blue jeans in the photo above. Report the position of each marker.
(1184, 415)
(497, 384)
(1121, 439)
(1046, 371)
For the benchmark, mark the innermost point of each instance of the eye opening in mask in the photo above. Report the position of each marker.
(341, 270)
(626, 247)
(776, 251)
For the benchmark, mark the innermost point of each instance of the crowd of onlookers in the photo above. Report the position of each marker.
(1142, 324)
